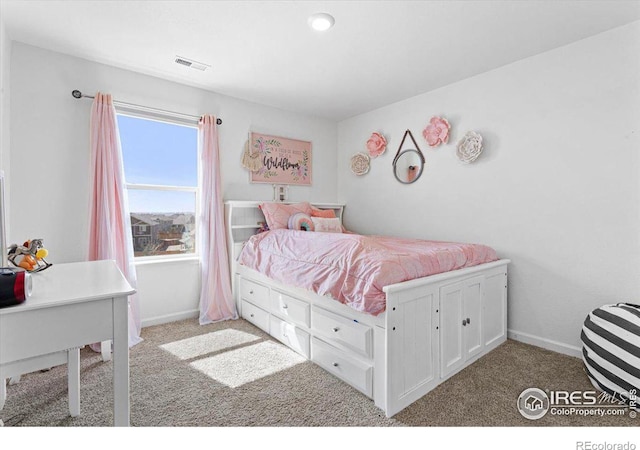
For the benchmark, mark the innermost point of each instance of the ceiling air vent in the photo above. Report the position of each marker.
(191, 63)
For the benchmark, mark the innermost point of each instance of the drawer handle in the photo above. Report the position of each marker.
(336, 329)
(335, 364)
(251, 314)
(464, 322)
(284, 335)
(251, 292)
(284, 306)
(468, 321)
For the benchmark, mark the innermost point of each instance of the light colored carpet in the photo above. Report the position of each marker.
(232, 374)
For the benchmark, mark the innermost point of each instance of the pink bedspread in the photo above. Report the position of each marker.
(353, 268)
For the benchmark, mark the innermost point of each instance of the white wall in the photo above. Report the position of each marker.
(556, 189)
(5, 101)
(50, 159)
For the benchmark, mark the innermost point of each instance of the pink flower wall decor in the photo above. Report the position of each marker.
(437, 132)
(376, 145)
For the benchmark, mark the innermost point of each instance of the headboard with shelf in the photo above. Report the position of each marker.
(243, 217)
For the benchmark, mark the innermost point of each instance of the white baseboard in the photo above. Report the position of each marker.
(519, 336)
(548, 344)
(170, 318)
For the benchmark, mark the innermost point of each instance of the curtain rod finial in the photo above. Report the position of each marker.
(76, 93)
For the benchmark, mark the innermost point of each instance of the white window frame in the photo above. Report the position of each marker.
(142, 114)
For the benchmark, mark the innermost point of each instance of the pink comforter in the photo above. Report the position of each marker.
(353, 268)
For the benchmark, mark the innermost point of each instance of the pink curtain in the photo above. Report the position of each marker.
(110, 224)
(216, 300)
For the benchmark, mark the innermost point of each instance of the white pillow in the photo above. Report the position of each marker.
(325, 225)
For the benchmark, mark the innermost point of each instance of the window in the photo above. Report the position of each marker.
(161, 176)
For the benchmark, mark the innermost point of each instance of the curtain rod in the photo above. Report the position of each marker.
(77, 94)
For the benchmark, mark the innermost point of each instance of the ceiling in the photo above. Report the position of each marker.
(378, 52)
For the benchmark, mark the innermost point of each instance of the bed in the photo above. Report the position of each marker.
(388, 320)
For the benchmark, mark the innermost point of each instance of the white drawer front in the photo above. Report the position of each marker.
(357, 373)
(255, 293)
(343, 331)
(290, 308)
(290, 335)
(255, 315)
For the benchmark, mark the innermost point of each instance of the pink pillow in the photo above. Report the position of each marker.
(277, 214)
(326, 213)
(325, 225)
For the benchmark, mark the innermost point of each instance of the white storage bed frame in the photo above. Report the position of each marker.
(432, 328)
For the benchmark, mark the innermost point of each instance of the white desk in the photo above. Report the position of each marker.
(71, 305)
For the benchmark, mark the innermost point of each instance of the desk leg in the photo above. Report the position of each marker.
(73, 381)
(105, 349)
(121, 362)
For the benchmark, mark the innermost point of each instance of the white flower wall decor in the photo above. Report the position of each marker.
(469, 147)
(360, 163)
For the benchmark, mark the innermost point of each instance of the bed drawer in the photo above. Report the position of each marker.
(290, 335)
(343, 331)
(255, 293)
(356, 373)
(291, 309)
(255, 315)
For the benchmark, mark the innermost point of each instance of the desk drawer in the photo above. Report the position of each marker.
(36, 332)
(340, 330)
(255, 315)
(290, 308)
(290, 335)
(356, 373)
(255, 293)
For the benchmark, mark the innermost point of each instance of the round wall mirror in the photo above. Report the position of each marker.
(408, 166)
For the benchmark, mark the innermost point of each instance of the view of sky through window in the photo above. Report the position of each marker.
(159, 153)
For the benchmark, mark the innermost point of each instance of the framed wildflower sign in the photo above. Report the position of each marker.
(283, 160)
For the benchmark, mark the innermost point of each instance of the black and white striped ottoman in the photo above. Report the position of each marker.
(611, 349)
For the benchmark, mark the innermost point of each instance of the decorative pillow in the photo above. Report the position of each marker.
(277, 214)
(326, 225)
(326, 213)
(301, 221)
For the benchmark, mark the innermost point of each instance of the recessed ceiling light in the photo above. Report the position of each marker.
(321, 21)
